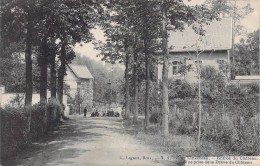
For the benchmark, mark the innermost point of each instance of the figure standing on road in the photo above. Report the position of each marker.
(85, 111)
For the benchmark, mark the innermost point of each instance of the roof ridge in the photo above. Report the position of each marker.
(72, 70)
(218, 36)
(80, 71)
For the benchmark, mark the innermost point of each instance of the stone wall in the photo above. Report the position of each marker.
(87, 93)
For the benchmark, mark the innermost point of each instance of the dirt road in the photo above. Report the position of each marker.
(89, 142)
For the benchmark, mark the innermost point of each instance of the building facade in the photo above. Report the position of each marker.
(192, 50)
(80, 84)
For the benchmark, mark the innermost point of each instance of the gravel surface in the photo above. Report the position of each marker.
(96, 141)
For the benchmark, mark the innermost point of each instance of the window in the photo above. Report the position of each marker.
(220, 61)
(198, 62)
(175, 67)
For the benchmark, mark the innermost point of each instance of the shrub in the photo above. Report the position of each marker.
(181, 123)
(213, 83)
(249, 134)
(221, 129)
(254, 89)
(13, 130)
(181, 89)
(232, 123)
(235, 91)
(155, 118)
(181, 116)
(38, 120)
(15, 125)
(54, 111)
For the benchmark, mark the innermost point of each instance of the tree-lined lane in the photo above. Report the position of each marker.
(90, 141)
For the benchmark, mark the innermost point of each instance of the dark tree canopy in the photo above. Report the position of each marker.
(247, 55)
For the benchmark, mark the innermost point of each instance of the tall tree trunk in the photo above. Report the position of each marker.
(234, 31)
(232, 51)
(28, 61)
(147, 89)
(28, 67)
(43, 61)
(53, 76)
(165, 52)
(200, 106)
(136, 92)
(62, 71)
(127, 95)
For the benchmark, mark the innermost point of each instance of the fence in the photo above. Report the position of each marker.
(233, 123)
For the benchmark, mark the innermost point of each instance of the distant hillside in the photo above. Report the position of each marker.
(103, 74)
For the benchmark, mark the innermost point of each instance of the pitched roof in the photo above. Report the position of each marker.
(218, 36)
(250, 77)
(246, 80)
(80, 71)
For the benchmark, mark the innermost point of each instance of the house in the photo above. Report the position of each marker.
(213, 49)
(80, 82)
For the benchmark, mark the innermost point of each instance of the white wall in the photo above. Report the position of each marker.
(208, 59)
(71, 80)
(6, 98)
(192, 76)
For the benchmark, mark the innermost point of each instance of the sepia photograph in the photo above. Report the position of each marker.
(129, 83)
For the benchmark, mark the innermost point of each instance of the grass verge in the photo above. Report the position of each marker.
(177, 146)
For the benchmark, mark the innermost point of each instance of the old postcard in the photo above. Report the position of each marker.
(129, 83)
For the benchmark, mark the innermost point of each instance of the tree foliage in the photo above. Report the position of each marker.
(38, 25)
(104, 73)
(247, 56)
(232, 8)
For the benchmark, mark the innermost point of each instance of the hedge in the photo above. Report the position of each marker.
(15, 127)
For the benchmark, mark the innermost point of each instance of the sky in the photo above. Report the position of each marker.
(88, 49)
(251, 23)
